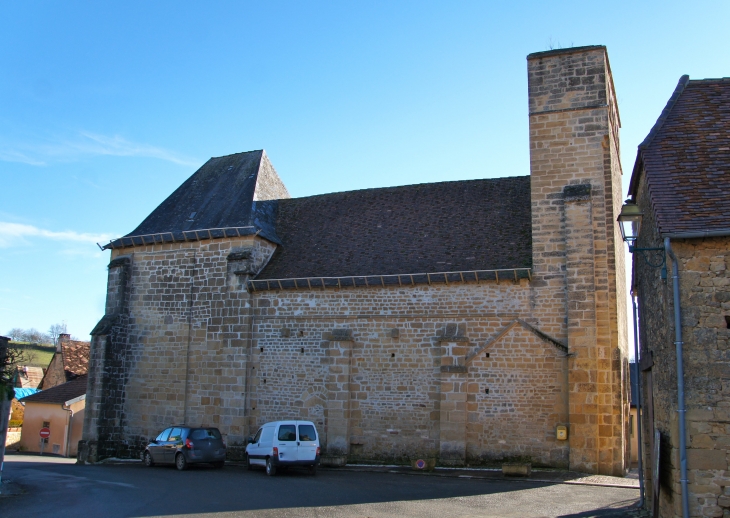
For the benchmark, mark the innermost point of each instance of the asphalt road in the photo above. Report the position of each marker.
(53, 487)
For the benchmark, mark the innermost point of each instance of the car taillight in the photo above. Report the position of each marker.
(276, 451)
(189, 444)
(317, 450)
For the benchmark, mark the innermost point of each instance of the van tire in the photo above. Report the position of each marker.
(270, 468)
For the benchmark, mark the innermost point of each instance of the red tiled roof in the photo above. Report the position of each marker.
(686, 160)
(75, 358)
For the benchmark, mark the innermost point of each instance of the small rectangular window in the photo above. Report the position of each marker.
(307, 432)
(631, 425)
(287, 432)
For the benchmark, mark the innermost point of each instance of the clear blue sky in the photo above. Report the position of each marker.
(105, 108)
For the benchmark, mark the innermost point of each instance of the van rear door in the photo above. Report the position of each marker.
(307, 445)
(286, 441)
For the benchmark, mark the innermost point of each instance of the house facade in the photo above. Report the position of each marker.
(70, 361)
(680, 184)
(61, 410)
(467, 321)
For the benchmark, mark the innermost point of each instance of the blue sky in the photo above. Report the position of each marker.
(105, 108)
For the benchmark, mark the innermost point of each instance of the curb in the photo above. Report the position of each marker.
(495, 474)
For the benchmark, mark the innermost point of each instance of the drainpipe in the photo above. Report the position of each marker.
(640, 453)
(67, 432)
(680, 379)
(67, 407)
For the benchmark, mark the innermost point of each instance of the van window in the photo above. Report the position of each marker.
(287, 432)
(307, 432)
(257, 436)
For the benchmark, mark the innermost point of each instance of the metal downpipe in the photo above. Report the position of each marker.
(640, 453)
(680, 379)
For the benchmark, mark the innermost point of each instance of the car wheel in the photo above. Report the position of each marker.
(219, 465)
(248, 463)
(181, 463)
(270, 468)
(148, 460)
(313, 470)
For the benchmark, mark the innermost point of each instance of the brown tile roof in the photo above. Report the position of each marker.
(60, 393)
(686, 160)
(29, 377)
(75, 358)
(436, 227)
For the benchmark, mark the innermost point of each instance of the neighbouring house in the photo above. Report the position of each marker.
(61, 410)
(17, 411)
(70, 361)
(681, 184)
(471, 322)
(28, 376)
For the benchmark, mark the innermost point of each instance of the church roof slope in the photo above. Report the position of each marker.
(438, 227)
(220, 195)
(686, 160)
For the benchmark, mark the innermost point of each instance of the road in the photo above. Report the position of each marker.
(54, 487)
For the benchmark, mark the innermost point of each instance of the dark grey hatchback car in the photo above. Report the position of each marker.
(184, 445)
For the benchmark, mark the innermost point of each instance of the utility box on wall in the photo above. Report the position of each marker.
(561, 433)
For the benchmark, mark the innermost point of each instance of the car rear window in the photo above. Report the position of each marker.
(287, 432)
(206, 433)
(307, 432)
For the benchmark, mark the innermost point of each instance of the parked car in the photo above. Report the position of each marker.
(281, 444)
(184, 445)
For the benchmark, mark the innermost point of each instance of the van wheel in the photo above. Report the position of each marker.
(270, 468)
(181, 463)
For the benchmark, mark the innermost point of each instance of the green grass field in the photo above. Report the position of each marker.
(38, 355)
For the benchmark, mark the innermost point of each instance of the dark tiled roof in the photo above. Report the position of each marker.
(60, 393)
(219, 195)
(447, 226)
(75, 358)
(686, 159)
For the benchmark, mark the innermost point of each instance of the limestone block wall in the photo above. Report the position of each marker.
(173, 345)
(384, 372)
(515, 376)
(575, 189)
(705, 301)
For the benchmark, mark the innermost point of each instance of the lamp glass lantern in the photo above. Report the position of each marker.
(630, 222)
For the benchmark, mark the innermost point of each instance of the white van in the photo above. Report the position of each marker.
(283, 444)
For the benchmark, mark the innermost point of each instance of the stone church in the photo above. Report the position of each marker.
(471, 322)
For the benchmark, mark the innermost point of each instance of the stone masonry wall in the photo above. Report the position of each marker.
(705, 311)
(575, 177)
(404, 370)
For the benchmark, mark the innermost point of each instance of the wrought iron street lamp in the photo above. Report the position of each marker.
(630, 222)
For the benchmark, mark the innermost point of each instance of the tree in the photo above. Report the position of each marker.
(17, 334)
(55, 330)
(9, 358)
